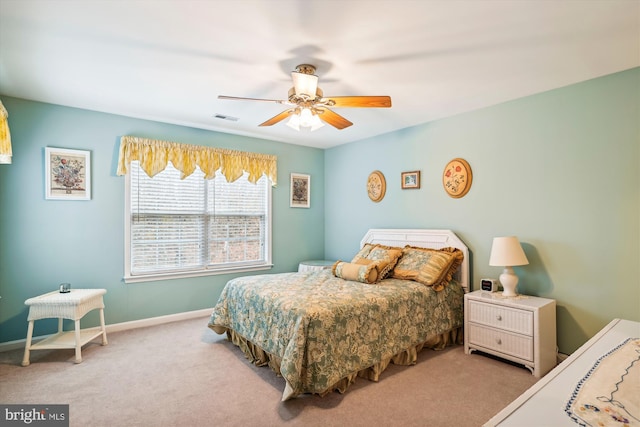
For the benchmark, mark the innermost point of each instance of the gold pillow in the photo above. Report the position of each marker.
(431, 267)
(365, 273)
(385, 256)
(364, 251)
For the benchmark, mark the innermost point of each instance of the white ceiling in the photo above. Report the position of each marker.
(168, 60)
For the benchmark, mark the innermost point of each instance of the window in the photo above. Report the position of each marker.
(192, 227)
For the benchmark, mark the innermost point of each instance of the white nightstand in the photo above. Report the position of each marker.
(521, 329)
(315, 265)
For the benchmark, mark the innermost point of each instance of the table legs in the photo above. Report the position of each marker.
(104, 329)
(78, 342)
(27, 346)
(77, 338)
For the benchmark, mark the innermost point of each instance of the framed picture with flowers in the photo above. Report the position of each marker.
(67, 174)
(300, 191)
(457, 178)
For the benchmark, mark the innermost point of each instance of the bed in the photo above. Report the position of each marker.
(321, 332)
(598, 385)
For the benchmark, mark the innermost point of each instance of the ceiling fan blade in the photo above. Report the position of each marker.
(359, 101)
(334, 119)
(278, 118)
(236, 98)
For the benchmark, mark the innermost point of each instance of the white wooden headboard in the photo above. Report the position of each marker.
(436, 239)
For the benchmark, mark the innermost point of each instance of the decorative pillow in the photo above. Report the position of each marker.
(431, 267)
(365, 273)
(385, 256)
(364, 251)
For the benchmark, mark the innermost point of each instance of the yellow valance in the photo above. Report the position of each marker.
(5, 136)
(154, 155)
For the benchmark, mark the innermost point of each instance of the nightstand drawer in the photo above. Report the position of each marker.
(509, 319)
(504, 342)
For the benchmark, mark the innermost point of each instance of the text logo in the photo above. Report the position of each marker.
(34, 415)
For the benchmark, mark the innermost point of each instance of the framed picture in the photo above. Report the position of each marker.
(457, 178)
(411, 179)
(67, 174)
(300, 191)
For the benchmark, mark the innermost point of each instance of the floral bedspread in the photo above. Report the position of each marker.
(323, 328)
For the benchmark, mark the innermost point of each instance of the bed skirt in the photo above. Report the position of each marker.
(259, 357)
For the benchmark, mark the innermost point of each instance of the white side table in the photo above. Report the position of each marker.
(72, 305)
(521, 329)
(315, 265)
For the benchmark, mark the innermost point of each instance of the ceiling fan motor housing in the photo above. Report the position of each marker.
(306, 69)
(297, 99)
(305, 83)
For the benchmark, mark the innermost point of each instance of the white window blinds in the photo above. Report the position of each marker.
(196, 225)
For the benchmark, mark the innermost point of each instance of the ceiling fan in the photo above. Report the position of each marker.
(309, 107)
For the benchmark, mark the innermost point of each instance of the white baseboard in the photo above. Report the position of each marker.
(116, 327)
(153, 321)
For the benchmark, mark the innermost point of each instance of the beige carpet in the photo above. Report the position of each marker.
(183, 374)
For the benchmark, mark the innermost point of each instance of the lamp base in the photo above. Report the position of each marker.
(509, 282)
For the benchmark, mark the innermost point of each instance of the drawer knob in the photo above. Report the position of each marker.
(498, 341)
(499, 317)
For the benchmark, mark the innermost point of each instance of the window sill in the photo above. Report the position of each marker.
(188, 274)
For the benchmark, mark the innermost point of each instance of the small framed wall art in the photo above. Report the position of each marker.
(300, 191)
(67, 174)
(457, 178)
(410, 179)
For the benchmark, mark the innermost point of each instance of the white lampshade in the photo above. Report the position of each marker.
(305, 118)
(294, 121)
(507, 252)
(316, 123)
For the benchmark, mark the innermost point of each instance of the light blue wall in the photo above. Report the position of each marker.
(558, 169)
(46, 242)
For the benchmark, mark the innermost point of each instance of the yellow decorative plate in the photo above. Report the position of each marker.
(376, 186)
(457, 178)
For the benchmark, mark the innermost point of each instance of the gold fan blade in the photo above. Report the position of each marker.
(236, 98)
(334, 119)
(275, 119)
(359, 101)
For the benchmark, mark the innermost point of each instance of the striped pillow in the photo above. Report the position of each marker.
(431, 267)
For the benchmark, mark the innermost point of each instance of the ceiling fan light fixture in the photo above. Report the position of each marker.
(294, 122)
(306, 119)
(316, 123)
(309, 119)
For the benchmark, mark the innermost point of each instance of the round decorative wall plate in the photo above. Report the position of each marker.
(376, 186)
(457, 178)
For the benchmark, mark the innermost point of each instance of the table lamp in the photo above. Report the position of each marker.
(507, 252)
